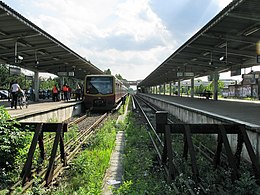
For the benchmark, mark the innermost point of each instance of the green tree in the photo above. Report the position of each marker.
(108, 72)
(118, 76)
(12, 140)
(210, 87)
(4, 76)
(47, 83)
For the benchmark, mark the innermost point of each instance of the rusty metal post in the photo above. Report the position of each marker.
(26, 172)
(240, 142)
(192, 153)
(49, 172)
(185, 147)
(41, 146)
(231, 158)
(250, 150)
(161, 121)
(216, 159)
(62, 151)
(168, 143)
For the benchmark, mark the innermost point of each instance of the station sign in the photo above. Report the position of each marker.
(71, 74)
(179, 74)
(248, 76)
(185, 74)
(29, 77)
(64, 74)
(14, 70)
(235, 72)
(189, 74)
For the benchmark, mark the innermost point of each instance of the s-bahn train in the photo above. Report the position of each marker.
(102, 92)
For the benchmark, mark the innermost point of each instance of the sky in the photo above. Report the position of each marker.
(129, 37)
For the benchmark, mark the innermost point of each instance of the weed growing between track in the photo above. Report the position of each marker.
(142, 175)
(85, 176)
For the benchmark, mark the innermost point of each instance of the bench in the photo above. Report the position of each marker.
(206, 94)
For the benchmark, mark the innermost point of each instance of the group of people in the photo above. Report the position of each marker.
(66, 93)
(16, 92)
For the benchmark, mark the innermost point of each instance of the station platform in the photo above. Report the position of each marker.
(243, 111)
(46, 107)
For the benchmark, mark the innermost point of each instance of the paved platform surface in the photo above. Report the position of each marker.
(242, 110)
(35, 107)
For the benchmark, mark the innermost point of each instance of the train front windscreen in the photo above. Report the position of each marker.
(99, 85)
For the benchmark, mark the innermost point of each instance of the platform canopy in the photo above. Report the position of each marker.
(227, 42)
(24, 44)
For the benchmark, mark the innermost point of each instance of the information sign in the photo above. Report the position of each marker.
(15, 70)
(189, 74)
(71, 74)
(179, 74)
(64, 74)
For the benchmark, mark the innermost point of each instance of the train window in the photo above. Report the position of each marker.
(99, 85)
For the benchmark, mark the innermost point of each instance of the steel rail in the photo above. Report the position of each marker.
(203, 152)
(82, 137)
(154, 144)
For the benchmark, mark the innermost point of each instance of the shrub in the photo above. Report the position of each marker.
(13, 142)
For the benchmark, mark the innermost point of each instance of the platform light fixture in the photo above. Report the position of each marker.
(17, 58)
(222, 58)
(20, 57)
(36, 63)
(211, 61)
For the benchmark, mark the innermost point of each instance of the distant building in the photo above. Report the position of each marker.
(249, 86)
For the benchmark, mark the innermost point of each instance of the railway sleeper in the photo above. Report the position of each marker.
(221, 130)
(39, 128)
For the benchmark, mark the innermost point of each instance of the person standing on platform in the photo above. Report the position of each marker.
(55, 93)
(65, 91)
(15, 88)
(78, 92)
(69, 92)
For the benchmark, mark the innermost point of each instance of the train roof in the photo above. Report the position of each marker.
(105, 75)
(99, 75)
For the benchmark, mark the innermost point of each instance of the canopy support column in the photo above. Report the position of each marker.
(192, 88)
(170, 88)
(36, 85)
(179, 88)
(215, 84)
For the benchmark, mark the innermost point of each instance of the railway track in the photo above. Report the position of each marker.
(86, 127)
(148, 112)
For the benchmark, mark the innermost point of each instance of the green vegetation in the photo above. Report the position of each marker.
(45, 83)
(87, 171)
(141, 174)
(13, 149)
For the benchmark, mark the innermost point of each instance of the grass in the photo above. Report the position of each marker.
(141, 175)
(87, 171)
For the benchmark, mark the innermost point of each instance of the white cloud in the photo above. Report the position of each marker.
(222, 3)
(127, 36)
